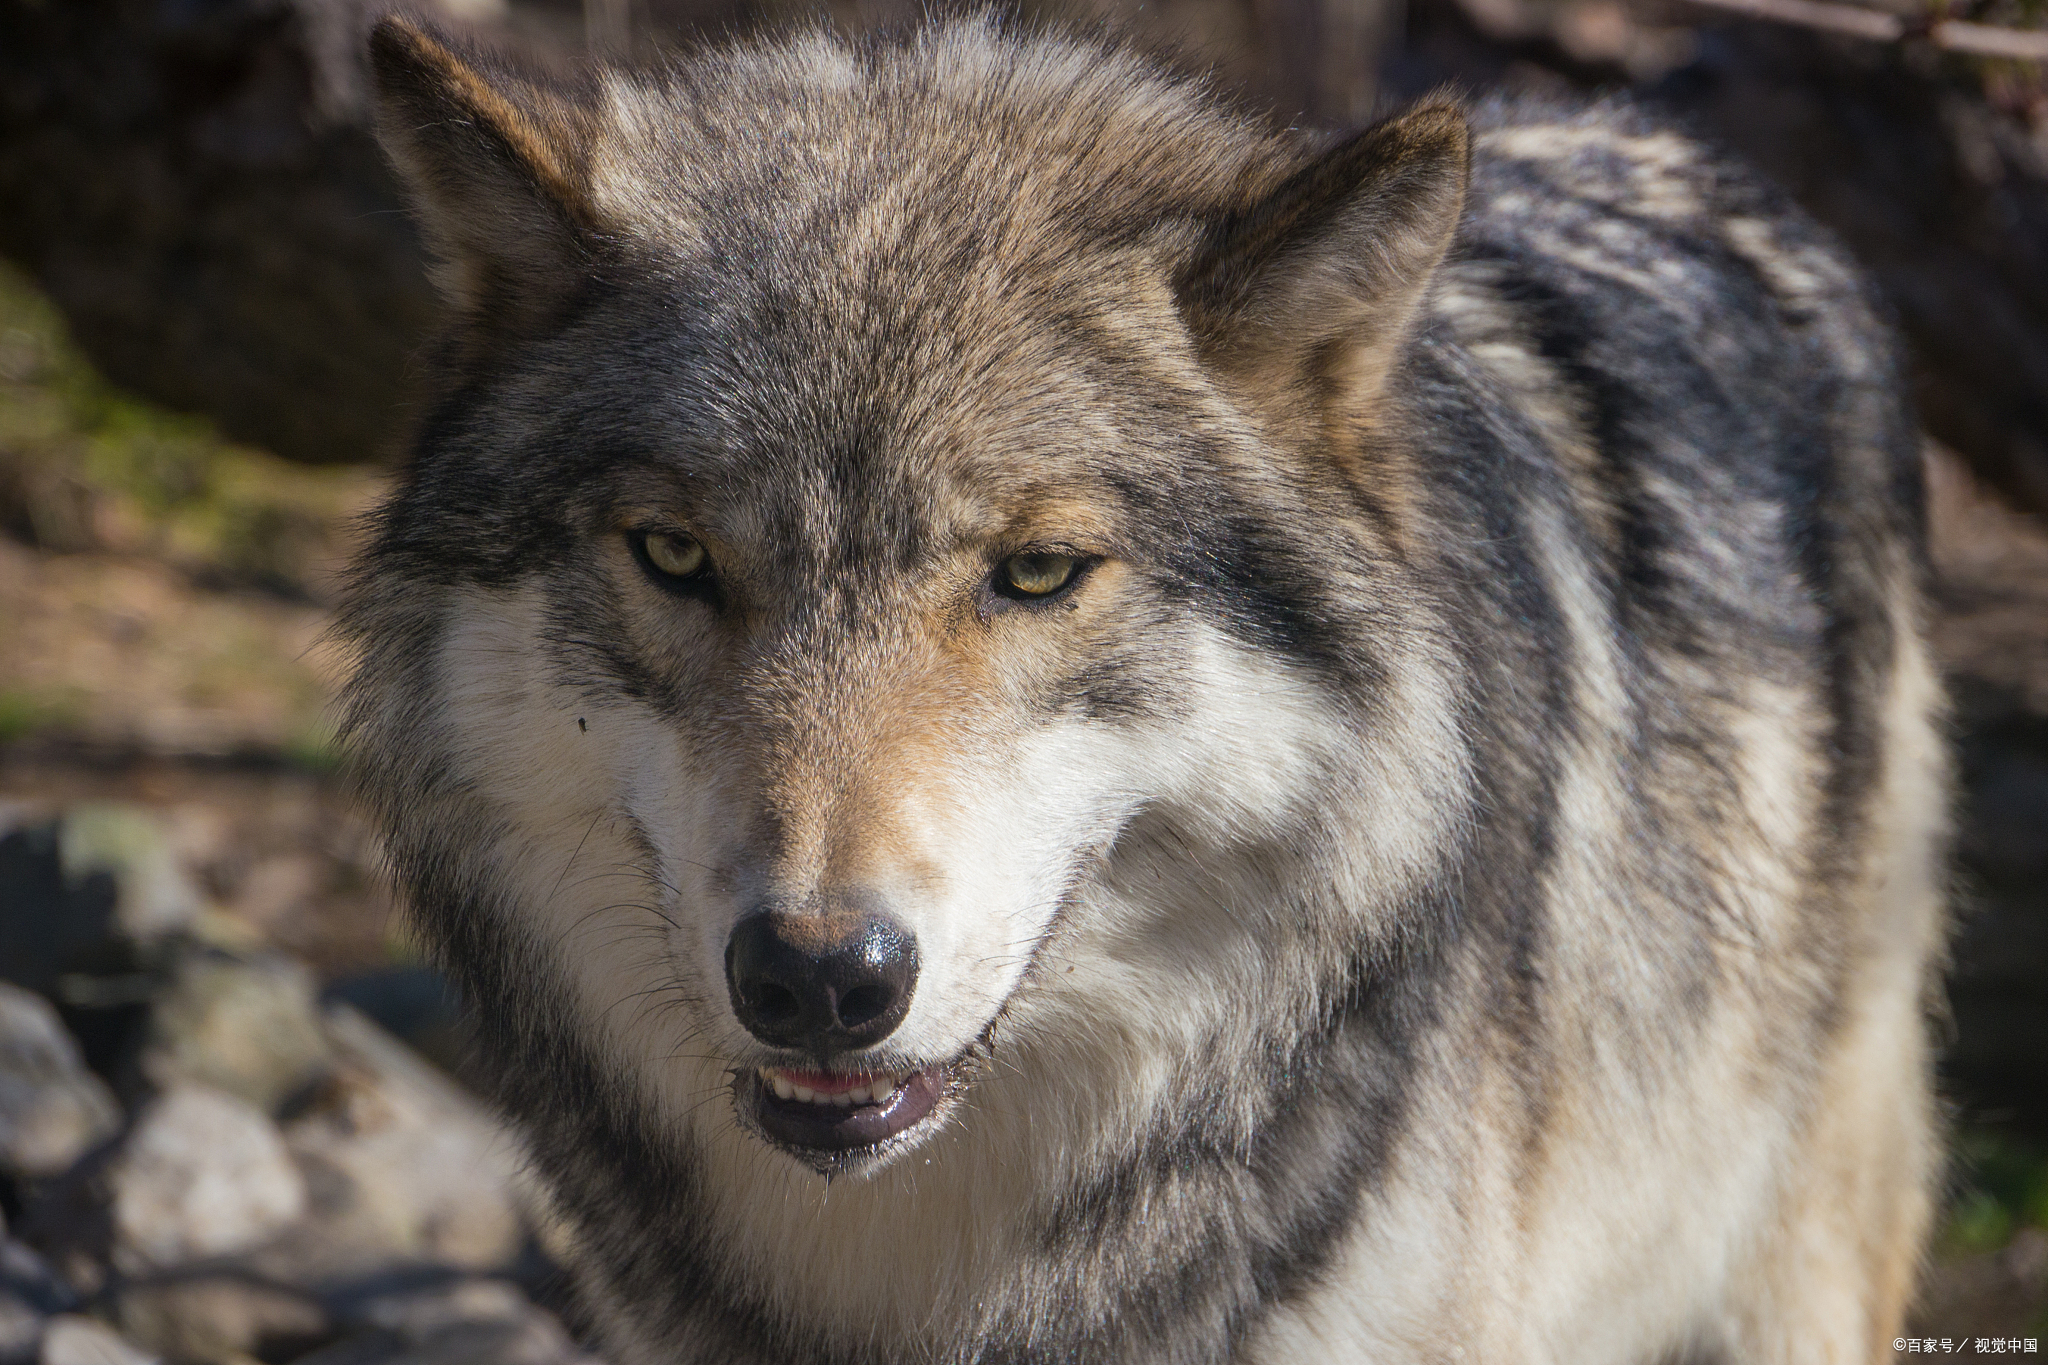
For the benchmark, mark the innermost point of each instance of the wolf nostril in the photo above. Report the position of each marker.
(775, 1003)
(822, 984)
(863, 1003)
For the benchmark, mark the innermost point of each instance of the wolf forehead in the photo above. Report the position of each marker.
(807, 284)
(965, 156)
(954, 180)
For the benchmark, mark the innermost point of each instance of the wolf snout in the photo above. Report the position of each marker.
(820, 984)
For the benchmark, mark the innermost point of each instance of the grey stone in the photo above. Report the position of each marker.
(221, 1315)
(402, 1164)
(48, 923)
(415, 1004)
(449, 1322)
(85, 898)
(202, 1174)
(416, 1314)
(52, 1110)
(532, 1338)
(364, 1348)
(248, 1026)
(67, 1221)
(30, 1293)
(72, 1340)
(21, 1332)
(26, 1279)
(155, 896)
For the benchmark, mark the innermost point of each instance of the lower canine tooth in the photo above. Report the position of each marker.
(883, 1089)
(783, 1089)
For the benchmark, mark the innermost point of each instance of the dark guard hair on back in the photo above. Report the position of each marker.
(1520, 511)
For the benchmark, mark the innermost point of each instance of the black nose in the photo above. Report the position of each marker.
(824, 984)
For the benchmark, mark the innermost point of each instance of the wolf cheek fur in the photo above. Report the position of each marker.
(1389, 672)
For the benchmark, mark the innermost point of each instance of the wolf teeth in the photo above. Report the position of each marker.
(878, 1090)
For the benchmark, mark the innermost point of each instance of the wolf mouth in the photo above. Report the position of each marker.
(841, 1112)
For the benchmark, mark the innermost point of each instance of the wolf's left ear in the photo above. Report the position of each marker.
(498, 167)
(1326, 273)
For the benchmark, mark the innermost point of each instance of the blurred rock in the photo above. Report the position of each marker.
(26, 1279)
(81, 894)
(154, 895)
(30, 1293)
(52, 1110)
(476, 1323)
(87, 903)
(416, 1005)
(401, 1164)
(246, 1026)
(202, 1174)
(417, 1312)
(45, 918)
(21, 1332)
(535, 1339)
(73, 1340)
(67, 1221)
(221, 1315)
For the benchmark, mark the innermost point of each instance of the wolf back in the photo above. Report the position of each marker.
(1452, 870)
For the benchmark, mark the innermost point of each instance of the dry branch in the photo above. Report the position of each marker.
(1956, 35)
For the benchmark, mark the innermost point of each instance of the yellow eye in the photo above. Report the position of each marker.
(676, 556)
(1034, 575)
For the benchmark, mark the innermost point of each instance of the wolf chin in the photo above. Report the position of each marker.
(1046, 725)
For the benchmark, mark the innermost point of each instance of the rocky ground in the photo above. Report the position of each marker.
(209, 1154)
(232, 1124)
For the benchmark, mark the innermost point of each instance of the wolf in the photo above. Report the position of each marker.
(1044, 723)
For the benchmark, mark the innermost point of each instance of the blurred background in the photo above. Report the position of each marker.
(233, 1125)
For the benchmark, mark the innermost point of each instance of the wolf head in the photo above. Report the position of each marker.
(897, 626)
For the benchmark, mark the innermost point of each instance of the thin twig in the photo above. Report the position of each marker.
(1954, 34)
(1959, 36)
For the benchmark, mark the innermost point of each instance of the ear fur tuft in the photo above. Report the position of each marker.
(498, 166)
(1330, 268)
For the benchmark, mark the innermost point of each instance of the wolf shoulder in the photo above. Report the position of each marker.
(1656, 305)
(1617, 194)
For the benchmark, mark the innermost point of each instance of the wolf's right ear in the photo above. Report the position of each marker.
(498, 168)
(1316, 286)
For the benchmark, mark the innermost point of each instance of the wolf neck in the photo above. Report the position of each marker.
(1024, 1199)
(1133, 1143)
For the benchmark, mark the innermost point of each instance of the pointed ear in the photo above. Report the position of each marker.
(1319, 282)
(498, 168)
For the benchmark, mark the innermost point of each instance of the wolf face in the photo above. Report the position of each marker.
(1238, 737)
(876, 619)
